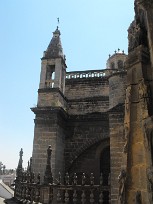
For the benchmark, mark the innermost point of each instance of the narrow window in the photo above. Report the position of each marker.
(50, 76)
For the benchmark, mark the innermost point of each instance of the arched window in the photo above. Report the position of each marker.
(50, 76)
(120, 64)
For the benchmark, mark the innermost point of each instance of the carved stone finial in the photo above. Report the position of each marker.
(122, 180)
(75, 179)
(59, 178)
(19, 168)
(21, 153)
(128, 98)
(30, 166)
(48, 174)
(83, 179)
(92, 179)
(101, 179)
(49, 152)
(20, 159)
(58, 20)
(126, 134)
(38, 178)
(67, 179)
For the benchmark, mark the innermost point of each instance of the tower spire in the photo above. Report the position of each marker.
(53, 64)
(54, 49)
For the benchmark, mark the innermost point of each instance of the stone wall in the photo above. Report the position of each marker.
(83, 133)
(86, 87)
(87, 95)
(88, 105)
(52, 97)
(117, 86)
(88, 161)
(117, 140)
(49, 130)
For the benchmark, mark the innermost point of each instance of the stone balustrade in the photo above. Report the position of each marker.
(70, 189)
(91, 73)
(49, 83)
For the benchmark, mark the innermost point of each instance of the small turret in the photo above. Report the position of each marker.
(117, 60)
(117, 80)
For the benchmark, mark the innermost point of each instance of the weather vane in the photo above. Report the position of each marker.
(58, 20)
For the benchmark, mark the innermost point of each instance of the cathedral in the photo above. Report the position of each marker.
(97, 122)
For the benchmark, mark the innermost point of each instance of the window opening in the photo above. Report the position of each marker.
(50, 76)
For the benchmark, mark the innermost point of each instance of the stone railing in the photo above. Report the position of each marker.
(49, 83)
(77, 189)
(66, 192)
(91, 73)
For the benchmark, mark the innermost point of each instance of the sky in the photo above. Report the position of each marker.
(90, 31)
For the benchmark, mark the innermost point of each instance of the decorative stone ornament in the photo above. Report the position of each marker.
(122, 180)
(128, 97)
(48, 174)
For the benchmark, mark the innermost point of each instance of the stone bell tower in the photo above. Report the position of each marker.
(50, 111)
(53, 67)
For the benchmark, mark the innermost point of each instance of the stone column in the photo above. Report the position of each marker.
(116, 124)
(43, 74)
(136, 185)
(58, 73)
